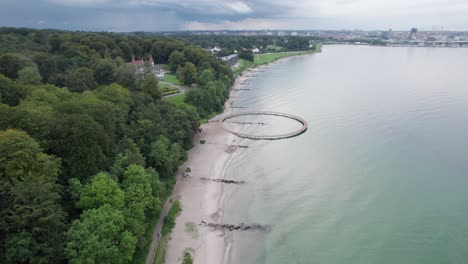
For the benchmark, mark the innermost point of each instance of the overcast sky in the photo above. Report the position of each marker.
(161, 15)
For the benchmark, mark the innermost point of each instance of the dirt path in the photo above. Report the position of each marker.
(167, 206)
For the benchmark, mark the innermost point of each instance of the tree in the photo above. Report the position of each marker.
(99, 236)
(129, 154)
(246, 55)
(10, 92)
(151, 87)
(29, 75)
(165, 157)
(225, 52)
(11, 63)
(100, 191)
(47, 65)
(21, 158)
(187, 74)
(126, 76)
(205, 77)
(81, 79)
(81, 143)
(136, 183)
(31, 218)
(104, 71)
(175, 59)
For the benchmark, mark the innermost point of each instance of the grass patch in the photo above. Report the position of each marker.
(140, 254)
(187, 258)
(191, 229)
(206, 119)
(169, 221)
(177, 99)
(169, 224)
(160, 257)
(243, 65)
(171, 78)
(167, 89)
(260, 59)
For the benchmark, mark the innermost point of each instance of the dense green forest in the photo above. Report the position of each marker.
(229, 43)
(88, 150)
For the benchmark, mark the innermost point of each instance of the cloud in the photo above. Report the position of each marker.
(79, 2)
(249, 23)
(235, 14)
(239, 7)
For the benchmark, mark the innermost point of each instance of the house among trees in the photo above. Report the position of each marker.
(231, 59)
(144, 67)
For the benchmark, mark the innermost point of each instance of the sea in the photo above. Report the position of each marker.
(381, 174)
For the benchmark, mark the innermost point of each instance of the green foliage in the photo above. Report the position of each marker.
(104, 71)
(11, 63)
(100, 191)
(165, 156)
(10, 92)
(271, 57)
(31, 218)
(99, 236)
(246, 55)
(81, 143)
(126, 76)
(81, 79)
(29, 75)
(150, 86)
(139, 199)
(206, 77)
(129, 154)
(176, 59)
(187, 258)
(229, 43)
(177, 100)
(187, 74)
(171, 78)
(169, 221)
(118, 146)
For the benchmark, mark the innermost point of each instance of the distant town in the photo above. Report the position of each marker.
(411, 37)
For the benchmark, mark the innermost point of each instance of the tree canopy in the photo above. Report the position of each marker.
(88, 148)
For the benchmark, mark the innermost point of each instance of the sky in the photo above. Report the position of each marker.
(173, 15)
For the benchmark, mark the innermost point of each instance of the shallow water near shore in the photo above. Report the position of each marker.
(381, 176)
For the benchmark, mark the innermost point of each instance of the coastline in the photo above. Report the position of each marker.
(202, 200)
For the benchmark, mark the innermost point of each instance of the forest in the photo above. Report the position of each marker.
(88, 149)
(231, 43)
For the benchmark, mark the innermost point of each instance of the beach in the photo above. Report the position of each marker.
(202, 200)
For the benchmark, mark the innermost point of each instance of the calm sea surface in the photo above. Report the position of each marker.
(381, 176)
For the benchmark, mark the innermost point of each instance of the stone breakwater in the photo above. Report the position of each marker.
(240, 227)
(223, 181)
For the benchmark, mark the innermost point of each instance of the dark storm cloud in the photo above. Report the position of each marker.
(153, 15)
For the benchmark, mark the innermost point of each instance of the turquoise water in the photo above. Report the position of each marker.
(381, 176)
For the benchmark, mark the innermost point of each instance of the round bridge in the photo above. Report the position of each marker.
(265, 137)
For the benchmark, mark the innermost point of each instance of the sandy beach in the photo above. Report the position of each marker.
(203, 200)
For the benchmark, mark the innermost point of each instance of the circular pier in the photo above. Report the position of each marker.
(266, 137)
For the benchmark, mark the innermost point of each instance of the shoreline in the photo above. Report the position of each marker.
(203, 200)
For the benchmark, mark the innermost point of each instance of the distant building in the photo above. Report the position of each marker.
(255, 50)
(143, 68)
(231, 59)
(141, 63)
(215, 49)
